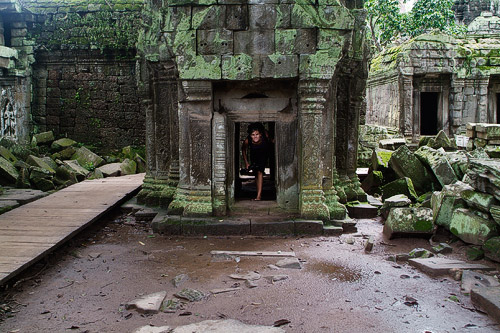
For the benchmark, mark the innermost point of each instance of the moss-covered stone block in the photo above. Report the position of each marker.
(40, 162)
(471, 228)
(442, 141)
(237, 67)
(409, 222)
(437, 162)
(492, 249)
(479, 200)
(128, 167)
(5, 153)
(8, 173)
(209, 17)
(199, 67)
(215, 41)
(399, 186)
(43, 138)
(445, 202)
(62, 144)
(320, 65)
(295, 41)
(87, 158)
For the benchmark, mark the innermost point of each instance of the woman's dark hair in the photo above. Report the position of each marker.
(256, 127)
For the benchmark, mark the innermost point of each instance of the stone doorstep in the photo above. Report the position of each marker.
(488, 300)
(177, 225)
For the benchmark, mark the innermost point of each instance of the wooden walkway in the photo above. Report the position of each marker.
(30, 232)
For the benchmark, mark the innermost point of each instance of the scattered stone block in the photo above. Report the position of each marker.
(8, 173)
(293, 263)
(459, 162)
(399, 186)
(446, 201)
(111, 170)
(409, 222)
(471, 279)
(488, 131)
(492, 249)
(483, 175)
(42, 179)
(369, 244)
(128, 167)
(23, 196)
(381, 158)
(406, 164)
(420, 253)
(80, 172)
(478, 200)
(6, 205)
(276, 278)
(441, 266)
(488, 300)
(251, 284)
(372, 182)
(470, 227)
(153, 329)
(442, 141)
(5, 153)
(147, 304)
(171, 305)
(391, 144)
(495, 213)
(191, 295)
(442, 248)
(437, 162)
(226, 326)
(39, 162)
(43, 138)
(398, 200)
(252, 276)
(86, 158)
(225, 290)
(61, 144)
(179, 280)
(361, 210)
(474, 253)
(492, 151)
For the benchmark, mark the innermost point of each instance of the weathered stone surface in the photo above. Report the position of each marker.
(398, 200)
(459, 162)
(474, 253)
(276, 278)
(442, 141)
(471, 228)
(488, 131)
(39, 162)
(392, 144)
(371, 183)
(153, 329)
(248, 276)
(471, 280)
(409, 222)
(380, 158)
(5, 153)
(442, 248)
(289, 263)
(436, 266)
(111, 169)
(6, 205)
(478, 200)
(492, 249)
(86, 158)
(179, 280)
(191, 295)
(495, 213)
(492, 151)
(484, 176)
(445, 202)
(42, 179)
(8, 174)
(23, 196)
(488, 300)
(128, 167)
(80, 172)
(147, 304)
(399, 186)
(406, 164)
(361, 210)
(437, 162)
(420, 253)
(43, 138)
(62, 144)
(226, 326)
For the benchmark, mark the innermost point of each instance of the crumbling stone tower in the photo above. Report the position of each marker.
(209, 65)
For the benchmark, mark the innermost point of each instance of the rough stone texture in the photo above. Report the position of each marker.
(87, 158)
(478, 200)
(8, 174)
(445, 202)
(492, 249)
(488, 300)
(405, 164)
(399, 186)
(495, 213)
(398, 200)
(43, 138)
(111, 169)
(471, 228)
(81, 172)
(437, 162)
(39, 162)
(289, 263)
(409, 222)
(442, 141)
(128, 167)
(484, 176)
(5, 153)
(62, 144)
(226, 326)
(147, 304)
(437, 266)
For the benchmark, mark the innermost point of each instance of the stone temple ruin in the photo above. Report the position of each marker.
(436, 82)
(188, 76)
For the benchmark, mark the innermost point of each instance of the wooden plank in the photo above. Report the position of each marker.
(254, 253)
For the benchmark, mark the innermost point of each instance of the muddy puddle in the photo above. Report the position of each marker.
(334, 272)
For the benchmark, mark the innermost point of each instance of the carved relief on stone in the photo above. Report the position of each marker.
(9, 115)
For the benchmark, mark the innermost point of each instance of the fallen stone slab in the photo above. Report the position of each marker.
(442, 248)
(254, 253)
(472, 228)
(171, 305)
(80, 172)
(8, 173)
(226, 326)
(483, 175)
(86, 158)
(471, 279)
(191, 295)
(5, 153)
(23, 196)
(441, 140)
(446, 201)
(111, 169)
(62, 144)
(488, 300)
(409, 222)
(179, 280)
(40, 162)
(251, 284)
(369, 244)
(6, 205)
(361, 210)
(406, 164)
(436, 160)
(488, 131)
(398, 200)
(153, 329)
(44, 137)
(276, 278)
(441, 266)
(292, 263)
(399, 186)
(252, 276)
(391, 144)
(224, 290)
(148, 304)
(479, 200)
(492, 249)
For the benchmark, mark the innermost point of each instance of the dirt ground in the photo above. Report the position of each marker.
(83, 287)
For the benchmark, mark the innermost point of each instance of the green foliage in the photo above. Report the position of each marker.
(427, 15)
(384, 20)
(103, 30)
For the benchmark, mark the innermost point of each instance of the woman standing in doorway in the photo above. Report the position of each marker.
(260, 148)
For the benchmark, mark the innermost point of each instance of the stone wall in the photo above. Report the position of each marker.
(467, 10)
(88, 97)
(377, 94)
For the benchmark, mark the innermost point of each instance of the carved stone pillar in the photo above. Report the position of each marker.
(482, 107)
(406, 106)
(147, 186)
(312, 99)
(194, 195)
(220, 166)
(457, 103)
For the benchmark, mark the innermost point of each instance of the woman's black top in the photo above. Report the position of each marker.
(259, 154)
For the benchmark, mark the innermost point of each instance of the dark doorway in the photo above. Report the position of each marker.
(245, 187)
(429, 102)
(498, 108)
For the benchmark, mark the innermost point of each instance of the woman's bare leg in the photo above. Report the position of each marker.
(259, 180)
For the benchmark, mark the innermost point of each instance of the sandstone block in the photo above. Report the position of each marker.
(8, 173)
(437, 162)
(406, 164)
(399, 186)
(39, 162)
(445, 202)
(470, 227)
(409, 222)
(86, 158)
(492, 249)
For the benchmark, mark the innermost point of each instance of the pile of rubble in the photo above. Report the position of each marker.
(48, 164)
(438, 185)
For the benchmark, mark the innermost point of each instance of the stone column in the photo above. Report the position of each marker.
(406, 106)
(312, 99)
(482, 107)
(457, 103)
(194, 195)
(219, 165)
(147, 186)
